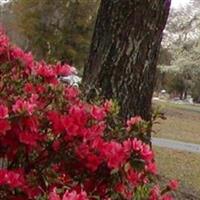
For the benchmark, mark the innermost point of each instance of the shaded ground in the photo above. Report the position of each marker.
(183, 166)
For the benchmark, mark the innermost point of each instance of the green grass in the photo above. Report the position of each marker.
(182, 123)
(186, 107)
(182, 166)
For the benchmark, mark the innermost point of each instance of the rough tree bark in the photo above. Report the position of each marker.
(124, 52)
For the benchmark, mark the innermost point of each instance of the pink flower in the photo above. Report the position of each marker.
(32, 192)
(56, 145)
(127, 144)
(53, 195)
(32, 123)
(64, 70)
(94, 131)
(4, 42)
(132, 122)
(98, 113)
(17, 53)
(173, 185)
(120, 188)
(73, 195)
(4, 126)
(3, 112)
(93, 162)
(146, 152)
(108, 105)
(26, 58)
(114, 153)
(40, 89)
(47, 72)
(3, 174)
(29, 88)
(136, 145)
(133, 177)
(15, 178)
(155, 193)
(71, 93)
(60, 142)
(75, 121)
(29, 138)
(151, 167)
(33, 99)
(21, 106)
(99, 144)
(82, 151)
(55, 119)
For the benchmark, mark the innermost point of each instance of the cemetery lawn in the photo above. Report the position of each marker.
(182, 123)
(182, 166)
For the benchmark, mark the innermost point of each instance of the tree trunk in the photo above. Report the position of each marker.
(124, 52)
(185, 94)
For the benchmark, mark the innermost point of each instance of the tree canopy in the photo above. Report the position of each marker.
(179, 57)
(56, 30)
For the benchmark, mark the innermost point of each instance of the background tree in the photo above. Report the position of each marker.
(124, 52)
(179, 73)
(56, 30)
(8, 22)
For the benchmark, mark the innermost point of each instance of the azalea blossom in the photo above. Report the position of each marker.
(57, 146)
(3, 112)
(173, 185)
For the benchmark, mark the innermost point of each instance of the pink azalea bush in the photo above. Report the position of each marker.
(59, 147)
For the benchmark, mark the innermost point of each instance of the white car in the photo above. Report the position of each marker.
(71, 80)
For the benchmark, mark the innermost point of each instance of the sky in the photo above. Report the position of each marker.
(3, 1)
(178, 3)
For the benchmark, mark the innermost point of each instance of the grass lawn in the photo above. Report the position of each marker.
(186, 107)
(182, 123)
(182, 166)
